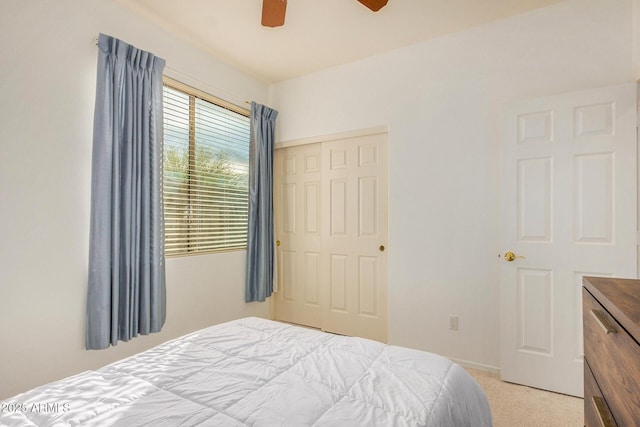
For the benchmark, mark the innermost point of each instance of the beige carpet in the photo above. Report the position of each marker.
(519, 406)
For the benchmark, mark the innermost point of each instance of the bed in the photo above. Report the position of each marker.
(257, 372)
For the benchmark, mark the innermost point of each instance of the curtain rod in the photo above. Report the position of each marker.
(95, 41)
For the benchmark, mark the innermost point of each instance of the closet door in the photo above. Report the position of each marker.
(355, 237)
(298, 210)
(331, 224)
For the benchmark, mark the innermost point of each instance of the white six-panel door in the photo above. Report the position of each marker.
(568, 188)
(298, 212)
(355, 230)
(331, 224)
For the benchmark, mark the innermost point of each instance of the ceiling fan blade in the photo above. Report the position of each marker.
(374, 5)
(273, 12)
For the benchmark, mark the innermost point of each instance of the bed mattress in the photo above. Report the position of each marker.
(256, 372)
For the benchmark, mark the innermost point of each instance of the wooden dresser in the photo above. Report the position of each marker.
(611, 316)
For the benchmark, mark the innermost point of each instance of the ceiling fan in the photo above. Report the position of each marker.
(273, 11)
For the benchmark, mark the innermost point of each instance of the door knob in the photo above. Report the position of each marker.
(381, 248)
(277, 242)
(510, 256)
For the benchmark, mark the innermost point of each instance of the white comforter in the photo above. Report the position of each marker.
(255, 372)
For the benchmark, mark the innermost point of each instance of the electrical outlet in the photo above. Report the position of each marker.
(453, 323)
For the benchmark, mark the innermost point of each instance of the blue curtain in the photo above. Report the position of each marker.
(260, 233)
(126, 290)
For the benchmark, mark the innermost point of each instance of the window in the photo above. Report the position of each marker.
(206, 171)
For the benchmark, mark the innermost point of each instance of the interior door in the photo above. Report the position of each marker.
(568, 189)
(331, 226)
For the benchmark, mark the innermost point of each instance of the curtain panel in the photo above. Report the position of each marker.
(126, 289)
(260, 230)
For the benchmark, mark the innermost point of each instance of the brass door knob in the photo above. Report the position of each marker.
(381, 248)
(277, 242)
(510, 256)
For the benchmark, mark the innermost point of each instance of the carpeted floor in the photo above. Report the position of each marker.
(514, 405)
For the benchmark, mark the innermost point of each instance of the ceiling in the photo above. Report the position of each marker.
(317, 34)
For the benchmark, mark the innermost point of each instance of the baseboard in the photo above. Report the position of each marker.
(478, 366)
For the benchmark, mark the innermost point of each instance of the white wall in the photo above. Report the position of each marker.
(441, 101)
(47, 90)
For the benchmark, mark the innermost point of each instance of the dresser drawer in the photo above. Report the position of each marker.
(614, 359)
(596, 411)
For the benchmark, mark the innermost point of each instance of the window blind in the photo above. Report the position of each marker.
(206, 158)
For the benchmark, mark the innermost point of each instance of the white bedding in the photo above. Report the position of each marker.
(256, 372)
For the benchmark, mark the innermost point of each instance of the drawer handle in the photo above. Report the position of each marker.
(603, 322)
(603, 413)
